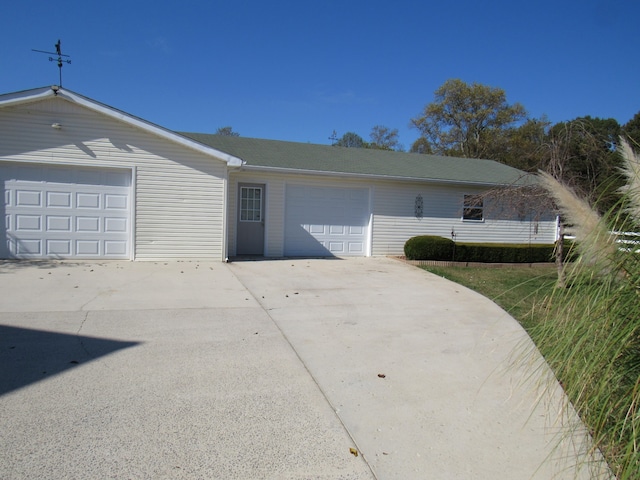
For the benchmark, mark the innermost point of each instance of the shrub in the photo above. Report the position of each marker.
(428, 247)
(501, 253)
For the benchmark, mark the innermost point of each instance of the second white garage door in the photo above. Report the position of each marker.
(65, 212)
(326, 221)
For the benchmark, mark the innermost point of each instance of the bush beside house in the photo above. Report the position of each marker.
(427, 247)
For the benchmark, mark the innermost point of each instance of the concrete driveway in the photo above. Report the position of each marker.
(288, 369)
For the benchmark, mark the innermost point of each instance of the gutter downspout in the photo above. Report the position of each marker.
(225, 212)
(225, 228)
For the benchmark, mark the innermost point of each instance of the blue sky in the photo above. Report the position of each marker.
(297, 70)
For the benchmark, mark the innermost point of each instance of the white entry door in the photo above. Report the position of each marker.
(326, 221)
(65, 212)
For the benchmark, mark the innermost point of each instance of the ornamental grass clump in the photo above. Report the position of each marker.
(591, 334)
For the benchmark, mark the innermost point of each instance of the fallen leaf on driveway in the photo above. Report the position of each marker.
(353, 452)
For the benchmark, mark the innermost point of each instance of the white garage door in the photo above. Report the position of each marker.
(326, 221)
(62, 212)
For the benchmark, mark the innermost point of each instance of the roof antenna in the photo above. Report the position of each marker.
(59, 59)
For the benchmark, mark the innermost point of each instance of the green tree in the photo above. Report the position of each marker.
(227, 132)
(351, 140)
(523, 145)
(581, 153)
(421, 145)
(384, 138)
(467, 120)
(631, 130)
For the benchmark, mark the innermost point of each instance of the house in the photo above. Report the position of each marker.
(84, 180)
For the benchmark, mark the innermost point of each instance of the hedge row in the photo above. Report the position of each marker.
(427, 247)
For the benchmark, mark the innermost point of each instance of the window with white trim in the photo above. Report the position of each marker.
(473, 208)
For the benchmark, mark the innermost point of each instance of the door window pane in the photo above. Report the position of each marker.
(250, 204)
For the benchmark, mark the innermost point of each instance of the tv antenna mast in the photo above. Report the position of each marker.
(59, 58)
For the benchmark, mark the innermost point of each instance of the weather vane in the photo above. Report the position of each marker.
(60, 60)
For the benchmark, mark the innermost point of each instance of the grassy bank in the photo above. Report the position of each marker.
(518, 290)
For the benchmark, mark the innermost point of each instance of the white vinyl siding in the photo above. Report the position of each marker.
(395, 220)
(393, 215)
(178, 192)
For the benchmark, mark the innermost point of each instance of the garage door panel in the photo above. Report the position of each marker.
(326, 221)
(49, 213)
(28, 223)
(115, 202)
(59, 199)
(336, 247)
(115, 248)
(58, 223)
(58, 247)
(115, 225)
(87, 200)
(29, 247)
(315, 229)
(88, 247)
(87, 224)
(28, 198)
(356, 248)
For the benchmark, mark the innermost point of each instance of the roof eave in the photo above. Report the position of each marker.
(262, 168)
(26, 96)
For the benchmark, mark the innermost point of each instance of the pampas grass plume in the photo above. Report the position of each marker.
(631, 171)
(594, 241)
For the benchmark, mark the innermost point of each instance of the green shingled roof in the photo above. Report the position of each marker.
(258, 153)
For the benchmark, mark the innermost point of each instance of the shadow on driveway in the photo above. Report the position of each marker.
(28, 356)
(11, 266)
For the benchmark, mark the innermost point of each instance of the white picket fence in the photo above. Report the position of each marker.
(628, 241)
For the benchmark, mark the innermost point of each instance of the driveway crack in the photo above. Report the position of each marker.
(315, 381)
(79, 337)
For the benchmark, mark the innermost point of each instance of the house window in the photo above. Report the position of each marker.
(419, 207)
(251, 204)
(473, 208)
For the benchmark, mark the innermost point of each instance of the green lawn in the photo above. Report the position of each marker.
(519, 290)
